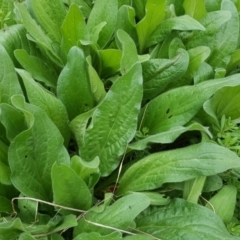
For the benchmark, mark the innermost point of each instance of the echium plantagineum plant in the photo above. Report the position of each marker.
(119, 119)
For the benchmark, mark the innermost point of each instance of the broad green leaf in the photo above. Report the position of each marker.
(14, 37)
(159, 73)
(213, 5)
(33, 152)
(120, 215)
(5, 173)
(213, 183)
(114, 121)
(73, 28)
(97, 86)
(111, 59)
(203, 159)
(226, 38)
(11, 229)
(50, 14)
(13, 120)
(223, 203)
(97, 236)
(157, 199)
(69, 189)
(73, 87)
(212, 22)
(197, 56)
(195, 8)
(234, 61)
(87, 171)
(103, 11)
(38, 35)
(129, 51)
(5, 205)
(193, 189)
(167, 136)
(3, 152)
(182, 23)
(38, 68)
(95, 32)
(139, 237)
(174, 46)
(79, 125)
(56, 224)
(226, 102)
(9, 84)
(178, 106)
(205, 72)
(155, 14)
(126, 21)
(45, 100)
(84, 5)
(185, 220)
(139, 6)
(26, 236)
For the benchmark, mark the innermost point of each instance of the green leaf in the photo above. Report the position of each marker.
(126, 21)
(38, 35)
(138, 237)
(73, 87)
(197, 56)
(212, 22)
(79, 126)
(11, 229)
(38, 68)
(155, 14)
(157, 199)
(181, 218)
(129, 51)
(53, 107)
(97, 236)
(104, 11)
(182, 23)
(65, 192)
(139, 6)
(33, 152)
(114, 121)
(111, 59)
(26, 236)
(4, 168)
(120, 215)
(203, 159)
(167, 136)
(226, 102)
(178, 106)
(50, 14)
(9, 84)
(195, 9)
(73, 28)
(226, 38)
(87, 171)
(159, 73)
(13, 120)
(205, 72)
(234, 61)
(5, 205)
(97, 86)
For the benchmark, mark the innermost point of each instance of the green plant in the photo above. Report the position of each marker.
(119, 119)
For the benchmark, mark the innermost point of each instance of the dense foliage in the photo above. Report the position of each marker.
(119, 119)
